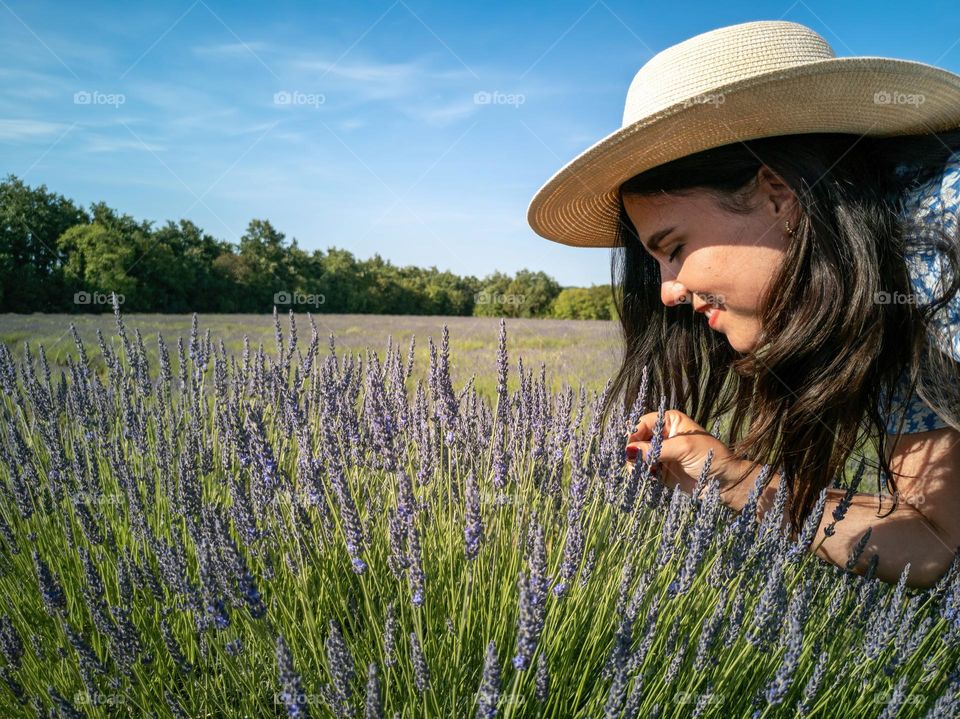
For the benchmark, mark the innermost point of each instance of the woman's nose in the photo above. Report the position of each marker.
(673, 293)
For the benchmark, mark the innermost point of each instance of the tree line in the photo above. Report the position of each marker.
(55, 256)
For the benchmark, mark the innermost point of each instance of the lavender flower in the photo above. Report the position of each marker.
(542, 692)
(489, 694)
(634, 698)
(670, 527)
(415, 565)
(373, 708)
(780, 684)
(533, 596)
(812, 687)
(421, 673)
(768, 608)
(173, 647)
(14, 686)
(735, 620)
(50, 589)
(858, 549)
(708, 631)
(840, 511)
(810, 524)
(473, 530)
(234, 647)
(618, 666)
(64, 708)
(291, 693)
(341, 668)
(700, 539)
(892, 707)
(11, 645)
(389, 637)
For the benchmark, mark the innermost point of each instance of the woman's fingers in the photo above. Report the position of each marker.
(672, 421)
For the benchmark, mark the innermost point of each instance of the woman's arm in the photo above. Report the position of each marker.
(926, 466)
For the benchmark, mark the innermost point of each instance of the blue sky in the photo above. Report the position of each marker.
(357, 124)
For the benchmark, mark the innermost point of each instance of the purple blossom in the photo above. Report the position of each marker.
(533, 595)
(50, 589)
(415, 565)
(11, 645)
(473, 528)
(489, 693)
(708, 631)
(542, 691)
(768, 608)
(291, 693)
(373, 707)
(390, 636)
(341, 667)
(421, 673)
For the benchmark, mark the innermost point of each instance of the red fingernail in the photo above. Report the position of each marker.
(632, 453)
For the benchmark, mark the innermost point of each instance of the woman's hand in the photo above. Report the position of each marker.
(683, 451)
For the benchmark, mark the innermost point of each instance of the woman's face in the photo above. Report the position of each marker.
(714, 258)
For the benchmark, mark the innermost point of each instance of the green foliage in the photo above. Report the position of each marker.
(528, 294)
(582, 303)
(31, 220)
(55, 257)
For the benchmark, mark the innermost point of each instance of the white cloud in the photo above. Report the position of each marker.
(443, 114)
(29, 129)
(98, 143)
(230, 49)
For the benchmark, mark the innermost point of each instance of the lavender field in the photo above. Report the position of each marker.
(363, 525)
(575, 351)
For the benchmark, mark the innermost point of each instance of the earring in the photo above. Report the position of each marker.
(790, 232)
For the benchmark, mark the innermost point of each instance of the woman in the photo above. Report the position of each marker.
(785, 226)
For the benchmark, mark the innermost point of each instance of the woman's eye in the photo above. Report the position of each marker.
(674, 253)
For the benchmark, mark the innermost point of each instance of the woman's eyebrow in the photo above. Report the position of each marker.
(654, 242)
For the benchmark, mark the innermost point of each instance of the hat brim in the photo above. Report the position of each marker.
(579, 204)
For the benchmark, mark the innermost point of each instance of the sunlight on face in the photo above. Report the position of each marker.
(713, 258)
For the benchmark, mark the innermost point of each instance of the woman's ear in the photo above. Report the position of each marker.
(776, 195)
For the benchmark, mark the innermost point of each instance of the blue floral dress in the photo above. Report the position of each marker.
(935, 201)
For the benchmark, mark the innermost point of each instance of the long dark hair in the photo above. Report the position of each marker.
(828, 352)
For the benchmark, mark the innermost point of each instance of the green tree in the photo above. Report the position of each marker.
(584, 303)
(530, 294)
(490, 299)
(268, 271)
(97, 262)
(31, 222)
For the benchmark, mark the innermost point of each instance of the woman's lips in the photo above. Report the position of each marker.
(712, 315)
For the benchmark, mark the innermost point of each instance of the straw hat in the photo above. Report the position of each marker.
(740, 82)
